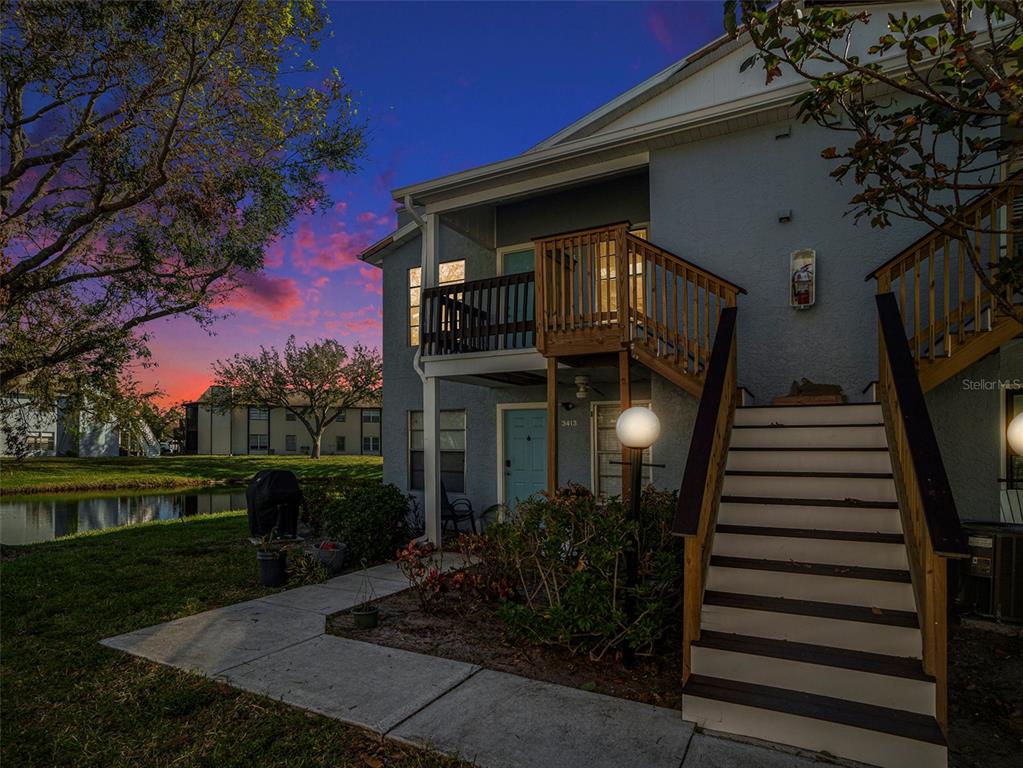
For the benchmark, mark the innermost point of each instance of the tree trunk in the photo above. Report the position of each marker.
(314, 453)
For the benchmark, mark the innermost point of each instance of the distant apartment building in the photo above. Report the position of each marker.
(259, 430)
(62, 431)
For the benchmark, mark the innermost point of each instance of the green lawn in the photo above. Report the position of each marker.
(55, 475)
(68, 701)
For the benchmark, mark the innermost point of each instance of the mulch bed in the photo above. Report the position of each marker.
(473, 633)
(985, 668)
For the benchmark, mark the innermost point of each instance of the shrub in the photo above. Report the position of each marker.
(370, 519)
(303, 568)
(566, 554)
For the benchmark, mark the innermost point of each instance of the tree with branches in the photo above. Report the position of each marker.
(151, 152)
(932, 112)
(315, 381)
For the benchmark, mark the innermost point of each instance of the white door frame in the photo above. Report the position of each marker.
(593, 436)
(501, 408)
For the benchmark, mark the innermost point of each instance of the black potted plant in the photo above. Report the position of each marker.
(273, 561)
(364, 615)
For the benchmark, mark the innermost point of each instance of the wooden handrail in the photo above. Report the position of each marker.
(969, 208)
(943, 300)
(930, 522)
(700, 492)
(938, 506)
(605, 289)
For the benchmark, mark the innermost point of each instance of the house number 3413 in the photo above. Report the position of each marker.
(570, 422)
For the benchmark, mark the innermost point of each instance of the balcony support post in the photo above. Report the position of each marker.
(552, 424)
(625, 396)
(431, 459)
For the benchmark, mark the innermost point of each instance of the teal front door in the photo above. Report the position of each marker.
(525, 453)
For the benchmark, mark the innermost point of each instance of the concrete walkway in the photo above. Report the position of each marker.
(276, 646)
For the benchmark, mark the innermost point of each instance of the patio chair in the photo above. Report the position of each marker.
(456, 512)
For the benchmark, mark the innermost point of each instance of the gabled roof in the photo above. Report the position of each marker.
(646, 90)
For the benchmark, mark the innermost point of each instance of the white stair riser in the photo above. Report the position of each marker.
(871, 747)
(893, 595)
(836, 682)
(810, 461)
(862, 488)
(803, 550)
(815, 518)
(809, 437)
(867, 413)
(835, 633)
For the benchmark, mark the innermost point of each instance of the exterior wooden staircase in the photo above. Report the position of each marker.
(950, 317)
(664, 313)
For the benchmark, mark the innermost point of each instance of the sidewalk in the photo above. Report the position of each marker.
(276, 646)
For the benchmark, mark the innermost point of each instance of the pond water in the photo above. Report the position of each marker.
(39, 517)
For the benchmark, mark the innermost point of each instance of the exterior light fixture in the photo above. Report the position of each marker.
(1014, 434)
(637, 428)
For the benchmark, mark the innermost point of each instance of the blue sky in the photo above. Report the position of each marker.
(442, 87)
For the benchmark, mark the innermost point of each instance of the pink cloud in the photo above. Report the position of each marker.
(660, 30)
(372, 279)
(321, 281)
(266, 296)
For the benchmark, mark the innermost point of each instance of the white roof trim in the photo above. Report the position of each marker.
(375, 253)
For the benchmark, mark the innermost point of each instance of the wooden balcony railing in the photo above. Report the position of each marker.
(944, 303)
(495, 313)
(700, 493)
(605, 288)
(930, 522)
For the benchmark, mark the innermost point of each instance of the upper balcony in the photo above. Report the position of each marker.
(595, 291)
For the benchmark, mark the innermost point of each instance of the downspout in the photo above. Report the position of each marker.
(421, 223)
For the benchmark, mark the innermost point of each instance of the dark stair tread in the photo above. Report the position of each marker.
(800, 473)
(859, 661)
(795, 502)
(822, 610)
(806, 426)
(812, 533)
(813, 569)
(808, 405)
(897, 722)
(808, 449)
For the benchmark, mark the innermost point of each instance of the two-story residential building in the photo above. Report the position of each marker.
(260, 430)
(680, 242)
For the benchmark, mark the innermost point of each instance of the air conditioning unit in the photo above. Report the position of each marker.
(991, 580)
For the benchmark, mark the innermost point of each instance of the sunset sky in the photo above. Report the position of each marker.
(442, 87)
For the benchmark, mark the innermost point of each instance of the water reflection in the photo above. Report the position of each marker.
(30, 519)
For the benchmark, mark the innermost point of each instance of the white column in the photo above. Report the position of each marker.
(431, 458)
(431, 394)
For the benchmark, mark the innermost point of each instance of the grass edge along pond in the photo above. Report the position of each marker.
(69, 701)
(60, 475)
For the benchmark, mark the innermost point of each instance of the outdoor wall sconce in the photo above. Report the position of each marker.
(785, 215)
(568, 405)
(637, 429)
(1014, 434)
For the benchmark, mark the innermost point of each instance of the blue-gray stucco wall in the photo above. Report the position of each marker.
(715, 202)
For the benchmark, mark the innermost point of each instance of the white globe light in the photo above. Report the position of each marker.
(1014, 434)
(638, 427)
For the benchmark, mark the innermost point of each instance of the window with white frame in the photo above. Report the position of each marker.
(339, 442)
(607, 474)
(370, 444)
(371, 416)
(449, 272)
(452, 450)
(259, 442)
(290, 443)
(258, 414)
